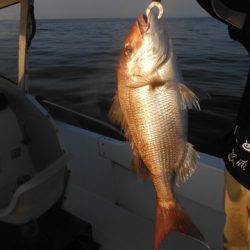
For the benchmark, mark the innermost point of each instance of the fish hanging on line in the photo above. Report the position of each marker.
(151, 106)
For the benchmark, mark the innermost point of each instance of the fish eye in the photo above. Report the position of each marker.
(128, 50)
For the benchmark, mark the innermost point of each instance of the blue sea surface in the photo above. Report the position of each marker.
(73, 63)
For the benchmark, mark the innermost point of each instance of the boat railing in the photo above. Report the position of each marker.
(26, 34)
(83, 121)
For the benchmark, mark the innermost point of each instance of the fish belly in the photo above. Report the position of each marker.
(155, 124)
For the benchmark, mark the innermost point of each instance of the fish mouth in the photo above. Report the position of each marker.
(143, 23)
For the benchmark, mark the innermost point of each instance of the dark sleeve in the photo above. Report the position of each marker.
(239, 5)
(243, 119)
(242, 36)
(206, 5)
(237, 144)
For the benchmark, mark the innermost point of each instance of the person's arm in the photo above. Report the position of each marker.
(207, 6)
(239, 5)
(233, 13)
(236, 144)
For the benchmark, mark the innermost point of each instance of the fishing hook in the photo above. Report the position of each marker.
(154, 4)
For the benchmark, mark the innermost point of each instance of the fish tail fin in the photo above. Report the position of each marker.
(172, 217)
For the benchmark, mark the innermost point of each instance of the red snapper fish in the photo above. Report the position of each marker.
(151, 106)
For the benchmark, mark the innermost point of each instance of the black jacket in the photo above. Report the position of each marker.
(237, 155)
(237, 143)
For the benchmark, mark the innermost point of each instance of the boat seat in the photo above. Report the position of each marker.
(41, 191)
(15, 161)
(32, 174)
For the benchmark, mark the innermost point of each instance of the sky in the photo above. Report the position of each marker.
(46, 9)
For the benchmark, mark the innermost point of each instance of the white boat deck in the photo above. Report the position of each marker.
(104, 192)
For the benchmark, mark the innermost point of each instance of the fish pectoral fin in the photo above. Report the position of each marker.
(138, 166)
(156, 81)
(153, 80)
(188, 97)
(137, 83)
(185, 171)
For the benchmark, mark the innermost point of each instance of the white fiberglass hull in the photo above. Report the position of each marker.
(104, 192)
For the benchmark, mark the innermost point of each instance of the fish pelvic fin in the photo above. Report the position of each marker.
(188, 167)
(188, 97)
(172, 217)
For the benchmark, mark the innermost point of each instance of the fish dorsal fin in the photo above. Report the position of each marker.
(115, 113)
(116, 116)
(188, 97)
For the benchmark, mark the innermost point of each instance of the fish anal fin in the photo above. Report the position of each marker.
(139, 167)
(189, 98)
(185, 171)
(170, 217)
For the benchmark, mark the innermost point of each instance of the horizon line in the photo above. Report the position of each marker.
(82, 18)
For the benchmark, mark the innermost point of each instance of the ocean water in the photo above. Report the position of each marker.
(73, 63)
